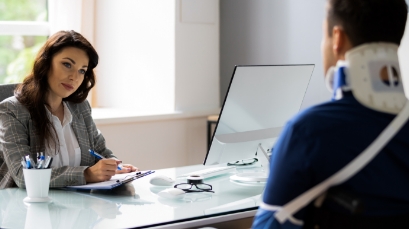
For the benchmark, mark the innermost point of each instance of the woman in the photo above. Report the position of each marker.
(49, 113)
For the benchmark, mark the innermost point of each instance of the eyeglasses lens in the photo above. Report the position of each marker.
(184, 186)
(203, 186)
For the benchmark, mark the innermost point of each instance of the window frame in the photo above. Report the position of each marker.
(24, 28)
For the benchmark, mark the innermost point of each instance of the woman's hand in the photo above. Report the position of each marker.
(103, 170)
(127, 168)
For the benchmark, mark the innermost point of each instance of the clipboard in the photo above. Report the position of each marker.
(117, 180)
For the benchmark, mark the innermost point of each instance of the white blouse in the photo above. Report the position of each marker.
(69, 153)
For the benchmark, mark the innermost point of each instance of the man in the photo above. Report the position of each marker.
(323, 139)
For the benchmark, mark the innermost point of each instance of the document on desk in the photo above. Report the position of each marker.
(116, 180)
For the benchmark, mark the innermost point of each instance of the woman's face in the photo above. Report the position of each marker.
(67, 72)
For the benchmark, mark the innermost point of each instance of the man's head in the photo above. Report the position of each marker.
(350, 23)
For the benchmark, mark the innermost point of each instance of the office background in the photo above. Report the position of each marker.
(165, 65)
(240, 32)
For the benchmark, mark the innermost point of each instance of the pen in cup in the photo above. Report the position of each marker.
(48, 162)
(42, 163)
(99, 156)
(28, 162)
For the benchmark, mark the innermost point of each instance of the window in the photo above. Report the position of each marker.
(24, 28)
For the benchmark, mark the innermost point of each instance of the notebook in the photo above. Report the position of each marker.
(116, 180)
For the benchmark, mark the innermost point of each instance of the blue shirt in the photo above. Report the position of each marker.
(321, 140)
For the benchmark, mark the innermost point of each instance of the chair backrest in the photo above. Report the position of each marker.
(7, 90)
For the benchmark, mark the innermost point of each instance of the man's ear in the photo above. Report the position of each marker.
(340, 42)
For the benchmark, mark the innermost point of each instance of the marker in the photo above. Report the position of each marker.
(40, 164)
(99, 156)
(40, 161)
(28, 162)
(33, 163)
(49, 163)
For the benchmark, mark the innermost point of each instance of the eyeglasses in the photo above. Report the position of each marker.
(202, 187)
(248, 161)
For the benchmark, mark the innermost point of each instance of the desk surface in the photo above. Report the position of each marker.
(133, 205)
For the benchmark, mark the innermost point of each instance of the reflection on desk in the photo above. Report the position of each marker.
(133, 205)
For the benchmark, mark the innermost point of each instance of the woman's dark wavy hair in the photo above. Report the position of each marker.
(33, 91)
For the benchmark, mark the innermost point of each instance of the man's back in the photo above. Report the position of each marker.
(359, 49)
(323, 139)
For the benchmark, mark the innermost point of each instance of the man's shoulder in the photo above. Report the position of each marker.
(328, 115)
(320, 111)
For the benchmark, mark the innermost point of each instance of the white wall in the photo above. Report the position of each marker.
(135, 40)
(160, 55)
(158, 144)
(157, 57)
(273, 32)
(197, 55)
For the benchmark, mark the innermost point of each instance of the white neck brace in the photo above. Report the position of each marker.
(372, 73)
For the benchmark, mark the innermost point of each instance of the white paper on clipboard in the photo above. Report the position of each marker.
(116, 180)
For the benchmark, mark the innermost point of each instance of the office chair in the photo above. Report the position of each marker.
(7, 90)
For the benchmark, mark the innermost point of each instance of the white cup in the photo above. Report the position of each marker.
(37, 184)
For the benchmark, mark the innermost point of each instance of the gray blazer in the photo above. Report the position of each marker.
(18, 138)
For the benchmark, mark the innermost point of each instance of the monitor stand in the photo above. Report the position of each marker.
(254, 177)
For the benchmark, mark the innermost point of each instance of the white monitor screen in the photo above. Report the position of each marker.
(260, 100)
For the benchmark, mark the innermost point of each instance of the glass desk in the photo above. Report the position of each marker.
(134, 205)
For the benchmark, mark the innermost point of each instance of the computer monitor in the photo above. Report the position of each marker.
(259, 101)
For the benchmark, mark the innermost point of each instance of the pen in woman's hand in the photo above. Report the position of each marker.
(99, 156)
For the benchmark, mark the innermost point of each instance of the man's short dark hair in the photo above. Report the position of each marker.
(366, 21)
